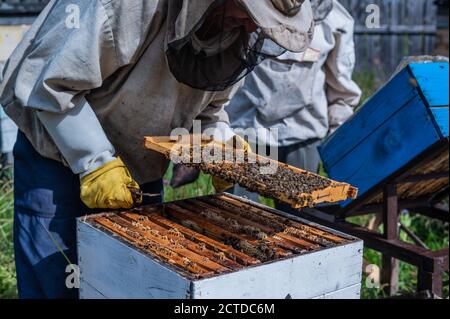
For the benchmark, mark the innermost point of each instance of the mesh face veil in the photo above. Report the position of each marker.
(203, 52)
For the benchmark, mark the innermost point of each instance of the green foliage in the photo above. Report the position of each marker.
(435, 235)
(7, 266)
(202, 187)
(367, 81)
(267, 201)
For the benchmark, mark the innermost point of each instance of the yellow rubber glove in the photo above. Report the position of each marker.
(110, 187)
(238, 143)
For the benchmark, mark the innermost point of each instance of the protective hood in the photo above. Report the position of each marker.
(289, 23)
(216, 63)
(321, 9)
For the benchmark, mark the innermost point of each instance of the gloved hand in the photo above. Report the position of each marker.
(183, 175)
(110, 187)
(237, 143)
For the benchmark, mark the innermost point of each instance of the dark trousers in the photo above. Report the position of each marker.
(302, 155)
(46, 205)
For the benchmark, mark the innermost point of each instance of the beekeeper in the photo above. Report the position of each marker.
(87, 84)
(302, 97)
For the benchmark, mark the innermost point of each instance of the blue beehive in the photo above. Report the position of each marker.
(400, 122)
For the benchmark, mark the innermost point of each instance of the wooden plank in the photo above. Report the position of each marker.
(409, 253)
(208, 242)
(283, 221)
(188, 250)
(292, 235)
(434, 161)
(221, 230)
(433, 81)
(310, 233)
(395, 40)
(435, 158)
(388, 31)
(391, 266)
(191, 245)
(390, 212)
(438, 261)
(390, 272)
(286, 241)
(227, 213)
(246, 243)
(299, 240)
(201, 225)
(407, 28)
(424, 177)
(291, 243)
(166, 144)
(428, 281)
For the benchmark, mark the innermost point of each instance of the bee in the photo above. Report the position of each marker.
(143, 218)
(221, 256)
(176, 232)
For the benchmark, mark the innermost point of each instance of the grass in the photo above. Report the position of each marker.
(368, 83)
(202, 187)
(7, 267)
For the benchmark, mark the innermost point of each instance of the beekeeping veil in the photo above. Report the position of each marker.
(219, 61)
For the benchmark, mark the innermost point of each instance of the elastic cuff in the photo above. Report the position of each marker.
(98, 161)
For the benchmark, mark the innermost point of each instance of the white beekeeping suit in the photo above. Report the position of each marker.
(131, 69)
(303, 95)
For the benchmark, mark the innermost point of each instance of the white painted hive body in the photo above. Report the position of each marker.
(119, 255)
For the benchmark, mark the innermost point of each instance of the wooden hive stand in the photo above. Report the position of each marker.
(399, 161)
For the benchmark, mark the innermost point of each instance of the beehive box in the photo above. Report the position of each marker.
(214, 247)
(402, 121)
